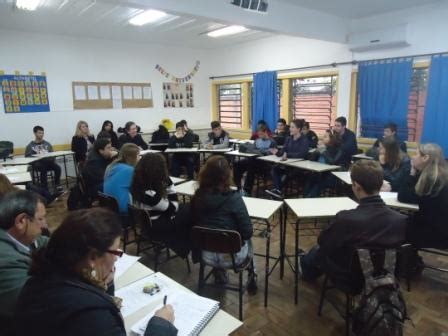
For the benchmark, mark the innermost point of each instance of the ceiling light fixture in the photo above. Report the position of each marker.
(230, 30)
(27, 4)
(148, 16)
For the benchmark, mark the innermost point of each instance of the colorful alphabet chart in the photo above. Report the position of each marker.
(24, 93)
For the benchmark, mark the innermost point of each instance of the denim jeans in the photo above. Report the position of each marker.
(223, 260)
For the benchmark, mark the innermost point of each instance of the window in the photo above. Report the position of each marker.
(314, 99)
(230, 105)
(416, 104)
(417, 101)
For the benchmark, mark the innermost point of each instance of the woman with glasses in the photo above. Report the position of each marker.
(70, 291)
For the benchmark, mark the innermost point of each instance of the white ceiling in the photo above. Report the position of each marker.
(356, 9)
(109, 20)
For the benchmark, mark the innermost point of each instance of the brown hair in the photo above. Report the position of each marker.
(5, 185)
(335, 138)
(434, 176)
(80, 233)
(151, 173)
(393, 155)
(128, 154)
(368, 174)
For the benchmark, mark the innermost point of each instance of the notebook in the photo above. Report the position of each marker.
(191, 312)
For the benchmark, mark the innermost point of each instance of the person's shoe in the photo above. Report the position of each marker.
(221, 277)
(252, 284)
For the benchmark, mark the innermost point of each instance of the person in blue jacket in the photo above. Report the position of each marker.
(118, 175)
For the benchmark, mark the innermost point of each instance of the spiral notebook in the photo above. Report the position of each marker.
(192, 313)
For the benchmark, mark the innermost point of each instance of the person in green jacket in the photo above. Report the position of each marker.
(22, 218)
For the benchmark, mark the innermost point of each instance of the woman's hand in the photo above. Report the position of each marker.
(166, 312)
(386, 186)
(273, 151)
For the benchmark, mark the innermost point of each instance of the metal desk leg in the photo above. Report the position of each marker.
(65, 170)
(296, 263)
(267, 270)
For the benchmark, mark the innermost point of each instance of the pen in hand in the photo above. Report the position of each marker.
(164, 299)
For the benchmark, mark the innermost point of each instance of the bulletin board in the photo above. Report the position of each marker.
(178, 95)
(102, 95)
(25, 93)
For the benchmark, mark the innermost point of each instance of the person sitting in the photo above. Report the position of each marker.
(93, 172)
(82, 142)
(372, 224)
(264, 145)
(281, 132)
(331, 154)
(6, 186)
(349, 145)
(131, 136)
(161, 136)
(217, 138)
(108, 127)
(215, 205)
(181, 139)
(396, 164)
(22, 218)
(390, 130)
(311, 135)
(254, 135)
(296, 147)
(152, 189)
(70, 292)
(38, 147)
(118, 175)
(427, 186)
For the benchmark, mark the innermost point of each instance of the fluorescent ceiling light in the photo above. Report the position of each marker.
(27, 4)
(230, 30)
(148, 16)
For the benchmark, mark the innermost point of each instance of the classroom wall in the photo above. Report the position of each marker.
(66, 59)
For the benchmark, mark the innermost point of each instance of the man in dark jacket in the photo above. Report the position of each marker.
(349, 145)
(131, 136)
(372, 224)
(217, 138)
(182, 139)
(22, 218)
(390, 130)
(97, 161)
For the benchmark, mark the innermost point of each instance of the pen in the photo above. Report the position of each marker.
(164, 299)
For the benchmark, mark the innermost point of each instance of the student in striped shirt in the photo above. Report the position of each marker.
(152, 189)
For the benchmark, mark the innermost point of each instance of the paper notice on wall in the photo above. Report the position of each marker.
(92, 92)
(80, 92)
(105, 92)
(127, 92)
(147, 92)
(137, 90)
(116, 92)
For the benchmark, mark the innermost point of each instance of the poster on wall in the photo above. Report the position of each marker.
(178, 95)
(24, 93)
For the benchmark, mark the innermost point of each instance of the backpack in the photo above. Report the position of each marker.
(381, 310)
(248, 147)
(78, 197)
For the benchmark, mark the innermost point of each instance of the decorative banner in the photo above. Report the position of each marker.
(25, 93)
(177, 95)
(177, 79)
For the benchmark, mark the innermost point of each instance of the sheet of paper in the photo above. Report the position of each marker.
(116, 92)
(80, 92)
(104, 92)
(127, 92)
(92, 92)
(137, 92)
(134, 298)
(124, 263)
(147, 92)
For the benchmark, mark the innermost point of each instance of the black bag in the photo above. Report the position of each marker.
(381, 310)
(78, 197)
(248, 147)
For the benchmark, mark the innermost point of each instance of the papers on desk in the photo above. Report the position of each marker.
(124, 263)
(276, 159)
(134, 298)
(191, 311)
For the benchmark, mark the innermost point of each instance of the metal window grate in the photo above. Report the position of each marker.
(230, 105)
(314, 99)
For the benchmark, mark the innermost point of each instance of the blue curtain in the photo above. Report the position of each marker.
(383, 89)
(265, 104)
(435, 123)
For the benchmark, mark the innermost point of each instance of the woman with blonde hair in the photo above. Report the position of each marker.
(427, 185)
(118, 175)
(82, 141)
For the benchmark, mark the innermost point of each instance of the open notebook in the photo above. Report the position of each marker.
(192, 313)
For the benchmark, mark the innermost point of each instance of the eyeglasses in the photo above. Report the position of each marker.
(118, 252)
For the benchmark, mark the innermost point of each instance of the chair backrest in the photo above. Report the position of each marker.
(6, 149)
(109, 202)
(216, 240)
(140, 217)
